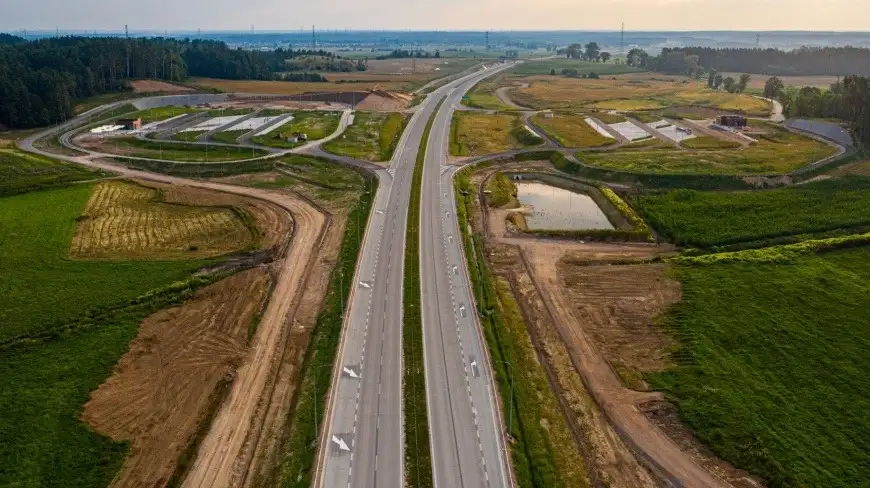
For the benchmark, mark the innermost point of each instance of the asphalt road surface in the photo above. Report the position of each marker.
(363, 443)
(465, 429)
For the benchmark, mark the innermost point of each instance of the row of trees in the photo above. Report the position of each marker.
(405, 53)
(590, 52)
(40, 80)
(695, 61)
(716, 81)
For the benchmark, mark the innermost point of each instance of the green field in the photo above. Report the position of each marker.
(713, 218)
(780, 151)
(20, 172)
(132, 146)
(475, 133)
(571, 131)
(229, 136)
(709, 142)
(772, 370)
(162, 113)
(373, 136)
(543, 67)
(189, 136)
(80, 317)
(316, 125)
(483, 96)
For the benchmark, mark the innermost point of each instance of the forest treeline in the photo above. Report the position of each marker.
(806, 61)
(41, 80)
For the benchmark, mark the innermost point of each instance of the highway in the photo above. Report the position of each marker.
(465, 427)
(363, 438)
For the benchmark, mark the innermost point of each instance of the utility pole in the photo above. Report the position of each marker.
(487, 40)
(313, 39)
(56, 31)
(622, 40)
(757, 40)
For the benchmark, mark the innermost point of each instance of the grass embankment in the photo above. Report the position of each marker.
(543, 451)
(418, 457)
(65, 323)
(571, 131)
(778, 151)
(483, 96)
(300, 449)
(476, 134)
(189, 136)
(139, 148)
(709, 142)
(373, 136)
(229, 136)
(316, 125)
(608, 118)
(162, 113)
(772, 368)
(705, 219)
(21, 172)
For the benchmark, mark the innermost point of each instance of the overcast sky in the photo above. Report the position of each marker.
(437, 14)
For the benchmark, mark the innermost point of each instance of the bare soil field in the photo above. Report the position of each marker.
(617, 306)
(124, 220)
(177, 371)
(153, 86)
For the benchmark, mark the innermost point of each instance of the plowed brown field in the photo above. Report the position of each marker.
(165, 385)
(126, 221)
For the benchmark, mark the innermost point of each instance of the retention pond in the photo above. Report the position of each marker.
(552, 208)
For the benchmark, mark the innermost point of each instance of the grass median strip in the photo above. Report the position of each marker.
(418, 458)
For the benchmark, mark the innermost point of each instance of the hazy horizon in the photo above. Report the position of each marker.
(496, 15)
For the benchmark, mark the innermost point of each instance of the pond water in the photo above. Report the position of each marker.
(553, 208)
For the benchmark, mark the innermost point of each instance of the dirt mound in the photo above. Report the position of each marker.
(385, 101)
(174, 374)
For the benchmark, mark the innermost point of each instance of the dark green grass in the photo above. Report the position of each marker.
(704, 219)
(20, 172)
(40, 288)
(773, 367)
(162, 113)
(63, 326)
(229, 137)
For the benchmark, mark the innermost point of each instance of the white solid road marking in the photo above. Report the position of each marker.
(341, 444)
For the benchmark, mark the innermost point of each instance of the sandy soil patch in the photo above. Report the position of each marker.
(153, 86)
(179, 365)
(384, 101)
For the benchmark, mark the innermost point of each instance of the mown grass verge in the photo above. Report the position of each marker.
(418, 458)
(537, 457)
(21, 172)
(300, 449)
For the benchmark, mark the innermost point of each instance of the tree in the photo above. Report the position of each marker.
(574, 51)
(637, 58)
(711, 79)
(437, 53)
(773, 87)
(552, 71)
(729, 84)
(745, 78)
(593, 75)
(605, 56)
(717, 81)
(592, 51)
